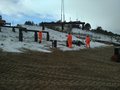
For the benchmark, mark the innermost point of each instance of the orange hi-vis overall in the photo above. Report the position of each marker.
(69, 40)
(40, 36)
(87, 41)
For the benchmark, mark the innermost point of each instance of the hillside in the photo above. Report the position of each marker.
(9, 41)
(95, 36)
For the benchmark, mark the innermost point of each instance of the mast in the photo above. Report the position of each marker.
(62, 11)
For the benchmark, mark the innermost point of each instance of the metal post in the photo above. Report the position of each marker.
(13, 29)
(48, 36)
(62, 27)
(20, 35)
(54, 43)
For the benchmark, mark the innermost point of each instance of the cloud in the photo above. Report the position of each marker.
(21, 8)
(105, 13)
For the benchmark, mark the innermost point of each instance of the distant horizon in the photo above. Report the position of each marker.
(36, 21)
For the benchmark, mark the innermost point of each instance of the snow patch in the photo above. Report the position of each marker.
(9, 41)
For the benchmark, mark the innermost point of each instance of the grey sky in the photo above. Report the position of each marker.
(105, 13)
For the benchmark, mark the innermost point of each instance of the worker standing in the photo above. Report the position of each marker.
(40, 36)
(87, 40)
(69, 40)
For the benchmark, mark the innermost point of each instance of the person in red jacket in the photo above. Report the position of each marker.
(40, 36)
(87, 40)
(69, 40)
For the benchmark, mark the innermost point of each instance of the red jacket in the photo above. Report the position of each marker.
(69, 38)
(87, 40)
(40, 35)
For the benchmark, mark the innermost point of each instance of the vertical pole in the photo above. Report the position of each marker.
(20, 35)
(48, 36)
(36, 36)
(62, 27)
(0, 29)
(13, 29)
(62, 11)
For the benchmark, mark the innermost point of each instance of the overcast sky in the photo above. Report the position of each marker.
(105, 13)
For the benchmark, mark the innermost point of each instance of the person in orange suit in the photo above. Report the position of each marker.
(87, 40)
(40, 36)
(69, 40)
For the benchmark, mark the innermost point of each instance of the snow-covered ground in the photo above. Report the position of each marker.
(9, 41)
(94, 36)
